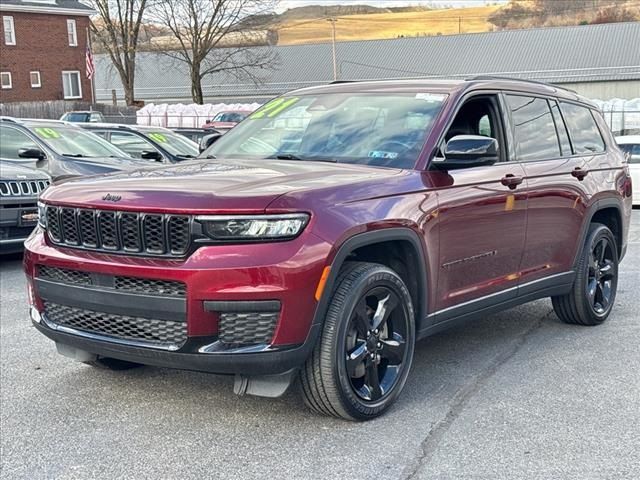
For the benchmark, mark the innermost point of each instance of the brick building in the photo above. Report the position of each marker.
(42, 50)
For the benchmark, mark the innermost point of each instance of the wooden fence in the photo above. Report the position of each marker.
(55, 108)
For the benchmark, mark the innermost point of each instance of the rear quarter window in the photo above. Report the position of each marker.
(584, 132)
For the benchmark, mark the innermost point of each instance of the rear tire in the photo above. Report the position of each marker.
(106, 363)
(363, 356)
(594, 290)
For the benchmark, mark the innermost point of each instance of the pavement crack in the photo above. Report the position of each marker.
(464, 395)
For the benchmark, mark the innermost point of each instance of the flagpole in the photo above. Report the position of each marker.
(93, 87)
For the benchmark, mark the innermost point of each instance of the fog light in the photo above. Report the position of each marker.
(35, 314)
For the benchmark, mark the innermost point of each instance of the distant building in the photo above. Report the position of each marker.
(43, 50)
(598, 61)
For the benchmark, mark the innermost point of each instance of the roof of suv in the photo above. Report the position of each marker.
(448, 86)
(124, 126)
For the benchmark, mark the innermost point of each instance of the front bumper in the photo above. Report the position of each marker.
(217, 278)
(14, 225)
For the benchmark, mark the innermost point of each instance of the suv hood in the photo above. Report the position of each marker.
(67, 167)
(210, 186)
(15, 171)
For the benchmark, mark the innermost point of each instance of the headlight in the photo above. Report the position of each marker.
(254, 227)
(42, 215)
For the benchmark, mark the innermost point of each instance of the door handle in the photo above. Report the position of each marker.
(512, 181)
(579, 173)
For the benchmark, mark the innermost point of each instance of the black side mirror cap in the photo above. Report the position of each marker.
(466, 151)
(31, 153)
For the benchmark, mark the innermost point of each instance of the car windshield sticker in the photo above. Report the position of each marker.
(46, 132)
(158, 137)
(274, 107)
(381, 154)
(431, 97)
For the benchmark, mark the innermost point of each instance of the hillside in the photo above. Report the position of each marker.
(389, 24)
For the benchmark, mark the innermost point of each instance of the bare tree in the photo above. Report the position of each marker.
(202, 30)
(117, 31)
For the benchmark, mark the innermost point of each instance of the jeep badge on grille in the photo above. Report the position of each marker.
(111, 198)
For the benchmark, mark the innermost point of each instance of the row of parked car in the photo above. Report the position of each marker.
(35, 152)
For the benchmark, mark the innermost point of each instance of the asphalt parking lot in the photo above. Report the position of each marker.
(515, 395)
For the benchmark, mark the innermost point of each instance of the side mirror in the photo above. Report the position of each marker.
(151, 155)
(465, 151)
(35, 153)
(208, 140)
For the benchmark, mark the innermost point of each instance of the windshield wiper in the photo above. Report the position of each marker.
(186, 155)
(73, 155)
(291, 156)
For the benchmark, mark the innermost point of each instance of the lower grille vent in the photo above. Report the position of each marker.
(160, 333)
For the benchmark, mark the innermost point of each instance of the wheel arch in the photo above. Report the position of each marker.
(406, 250)
(607, 211)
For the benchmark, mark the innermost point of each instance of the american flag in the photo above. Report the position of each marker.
(91, 68)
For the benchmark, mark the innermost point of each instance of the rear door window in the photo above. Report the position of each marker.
(584, 132)
(534, 128)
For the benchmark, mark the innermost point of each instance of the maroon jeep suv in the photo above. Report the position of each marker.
(331, 230)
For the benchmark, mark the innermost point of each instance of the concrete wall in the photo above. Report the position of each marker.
(626, 90)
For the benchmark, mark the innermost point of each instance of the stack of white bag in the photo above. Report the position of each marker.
(186, 116)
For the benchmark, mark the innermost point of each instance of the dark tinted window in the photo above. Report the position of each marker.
(535, 132)
(12, 140)
(585, 136)
(562, 130)
(633, 152)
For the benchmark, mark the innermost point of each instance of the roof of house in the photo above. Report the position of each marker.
(59, 7)
(556, 55)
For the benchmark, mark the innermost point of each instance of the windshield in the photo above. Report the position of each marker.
(174, 143)
(230, 117)
(75, 142)
(368, 128)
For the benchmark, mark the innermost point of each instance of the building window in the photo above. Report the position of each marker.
(71, 85)
(73, 35)
(9, 31)
(5, 80)
(35, 79)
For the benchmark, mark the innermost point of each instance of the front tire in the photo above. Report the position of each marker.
(361, 361)
(594, 290)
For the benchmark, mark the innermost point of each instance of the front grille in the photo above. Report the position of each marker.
(160, 333)
(64, 275)
(22, 188)
(166, 288)
(241, 328)
(119, 232)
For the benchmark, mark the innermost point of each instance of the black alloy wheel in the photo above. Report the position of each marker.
(363, 356)
(602, 275)
(375, 344)
(593, 294)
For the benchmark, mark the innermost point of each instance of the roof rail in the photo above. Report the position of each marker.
(524, 80)
(4, 118)
(335, 82)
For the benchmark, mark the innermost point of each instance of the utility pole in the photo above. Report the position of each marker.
(333, 44)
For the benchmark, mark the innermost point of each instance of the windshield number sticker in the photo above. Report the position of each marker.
(274, 107)
(158, 137)
(46, 133)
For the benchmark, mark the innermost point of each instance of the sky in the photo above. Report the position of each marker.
(286, 4)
